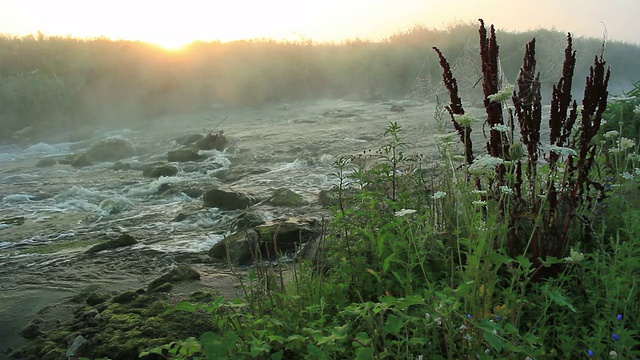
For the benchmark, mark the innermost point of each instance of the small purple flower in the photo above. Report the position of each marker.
(619, 317)
(469, 316)
(499, 318)
(590, 352)
(615, 337)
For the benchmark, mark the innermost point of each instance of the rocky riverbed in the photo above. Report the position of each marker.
(52, 210)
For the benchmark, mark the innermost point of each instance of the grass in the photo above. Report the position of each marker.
(527, 251)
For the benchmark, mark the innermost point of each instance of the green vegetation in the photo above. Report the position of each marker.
(525, 252)
(53, 83)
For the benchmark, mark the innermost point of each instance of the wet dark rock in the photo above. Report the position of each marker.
(164, 188)
(185, 154)
(239, 172)
(286, 197)
(213, 141)
(248, 220)
(31, 331)
(193, 192)
(166, 287)
(97, 297)
(328, 198)
(157, 170)
(121, 166)
(244, 246)
(122, 241)
(82, 160)
(125, 297)
(225, 199)
(179, 274)
(46, 162)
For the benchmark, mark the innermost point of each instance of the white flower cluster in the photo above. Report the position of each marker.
(500, 128)
(562, 151)
(404, 212)
(622, 145)
(611, 134)
(445, 138)
(636, 110)
(502, 95)
(438, 195)
(484, 164)
(574, 256)
(465, 120)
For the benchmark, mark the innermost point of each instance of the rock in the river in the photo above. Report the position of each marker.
(156, 170)
(179, 274)
(81, 160)
(274, 238)
(31, 331)
(286, 197)
(110, 149)
(328, 197)
(226, 199)
(213, 141)
(46, 162)
(396, 108)
(185, 154)
(189, 139)
(122, 241)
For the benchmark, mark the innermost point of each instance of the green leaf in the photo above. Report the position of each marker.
(216, 346)
(184, 306)
(393, 325)
(364, 353)
(339, 333)
(278, 355)
(495, 341)
(551, 260)
(558, 297)
(387, 263)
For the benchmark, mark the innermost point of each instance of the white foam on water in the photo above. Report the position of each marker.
(187, 243)
(115, 205)
(17, 198)
(152, 187)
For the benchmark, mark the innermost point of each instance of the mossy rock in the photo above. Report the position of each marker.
(97, 297)
(179, 274)
(125, 297)
(122, 241)
(166, 287)
(238, 246)
(226, 199)
(286, 197)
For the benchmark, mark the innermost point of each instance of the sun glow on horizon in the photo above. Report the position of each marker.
(173, 25)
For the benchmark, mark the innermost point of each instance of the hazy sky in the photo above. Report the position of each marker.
(177, 22)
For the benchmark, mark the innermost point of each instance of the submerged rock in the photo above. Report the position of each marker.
(213, 141)
(122, 241)
(110, 149)
(121, 166)
(188, 139)
(226, 199)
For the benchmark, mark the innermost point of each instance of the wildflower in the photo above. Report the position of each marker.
(613, 354)
(480, 192)
(614, 150)
(637, 171)
(419, 357)
(463, 327)
(494, 332)
(506, 190)
(627, 176)
(590, 352)
(483, 164)
(636, 110)
(619, 317)
(445, 137)
(459, 158)
(528, 358)
(464, 120)
(626, 143)
(615, 337)
(499, 318)
(438, 321)
(427, 316)
(487, 351)
(468, 337)
(469, 316)
(633, 157)
(516, 151)
(404, 212)
(574, 256)
(564, 151)
(479, 203)
(500, 128)
(502, 95)
(611, 134)
(438, 195)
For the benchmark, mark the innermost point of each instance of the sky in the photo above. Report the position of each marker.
(176, 23)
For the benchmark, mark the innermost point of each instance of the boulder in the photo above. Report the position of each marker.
(396, 108)
(110, 149)
(46, 162)
(328, 198)
(226, 199)
(81, 160)
(185, 154)
(157, 170)
(189, 139)
(286, 197)
(266, 241)
(179, 274)
(122, 241)
(212, 141)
